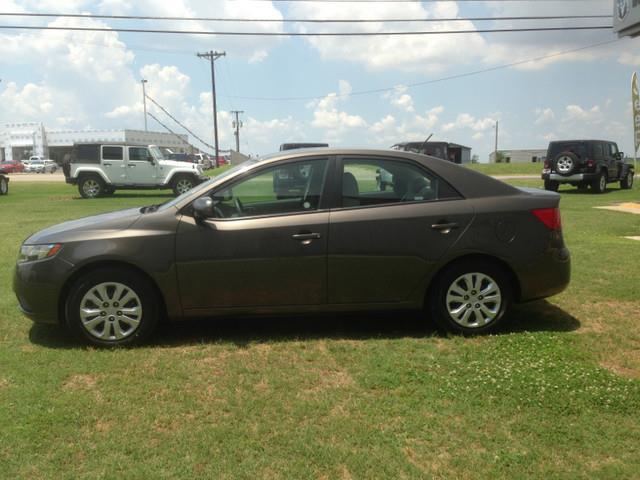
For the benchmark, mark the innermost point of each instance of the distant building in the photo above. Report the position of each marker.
(518, 156)
(447, 151)
(20, 140)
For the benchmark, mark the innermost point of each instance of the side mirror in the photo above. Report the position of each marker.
(620, 155)
(203, 208)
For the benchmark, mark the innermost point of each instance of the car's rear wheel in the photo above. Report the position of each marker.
(599, 185)
(551, 185)
(112, 307)
(470, 297)
(627, 181)
(182, 184)
(91, 186)
(4, 186)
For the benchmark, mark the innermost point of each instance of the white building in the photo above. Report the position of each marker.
(20, 140)
(520, 156)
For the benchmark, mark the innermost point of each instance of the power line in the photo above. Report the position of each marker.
(169, 130)
(302, 20)
(408, 1)
(435, 80)
(305, 34)
(178, 122)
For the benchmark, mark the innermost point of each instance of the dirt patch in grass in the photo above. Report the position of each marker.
(84, 383)
(610, 328)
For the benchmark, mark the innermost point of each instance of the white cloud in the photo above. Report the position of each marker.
(411, 53)
(577, 113)
(543, 115)
(399, 98)
(466, 120)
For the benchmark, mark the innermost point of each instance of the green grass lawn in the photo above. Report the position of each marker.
(529, 168)
(555, 394)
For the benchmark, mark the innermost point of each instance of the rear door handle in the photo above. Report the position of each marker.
(444, 227)
(107, 164)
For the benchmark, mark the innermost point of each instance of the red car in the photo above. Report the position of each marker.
(11, 166)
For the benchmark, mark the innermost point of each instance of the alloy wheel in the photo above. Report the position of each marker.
(91, 188)
(473, 300)
(110, 311)
(183, 185)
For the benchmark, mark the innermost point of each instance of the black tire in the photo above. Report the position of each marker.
(565, 163)
(477, 321)
(106, 282)
(551, 185)
(181, 182)
(599, 185)
(627, 181)
(4, 185)
(91, 186)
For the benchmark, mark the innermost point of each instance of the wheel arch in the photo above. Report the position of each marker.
(177, 174)
(85, 173)
(504, 266)
(66, 287)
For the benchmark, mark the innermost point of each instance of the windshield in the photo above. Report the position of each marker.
(157, 153)
(204, 186)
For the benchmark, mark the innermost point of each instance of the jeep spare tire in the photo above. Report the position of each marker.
(565, 163)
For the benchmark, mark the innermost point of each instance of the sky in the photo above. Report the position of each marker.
(319, 89)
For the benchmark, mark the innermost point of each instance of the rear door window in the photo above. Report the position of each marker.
(374, 181)
(112, 153)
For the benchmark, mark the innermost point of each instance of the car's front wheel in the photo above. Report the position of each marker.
(470, 297)
(91, 186)
(627, 181)
(182, 184)
(4, 186)
(112, 307)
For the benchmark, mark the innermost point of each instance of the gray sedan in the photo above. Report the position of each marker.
(303, 231)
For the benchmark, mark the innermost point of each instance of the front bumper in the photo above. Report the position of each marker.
(37, 286)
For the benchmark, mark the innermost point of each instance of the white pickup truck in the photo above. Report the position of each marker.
(101, 169)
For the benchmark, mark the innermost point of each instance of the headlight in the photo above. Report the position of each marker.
(31, 253)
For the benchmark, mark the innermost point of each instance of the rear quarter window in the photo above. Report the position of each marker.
(86, 154)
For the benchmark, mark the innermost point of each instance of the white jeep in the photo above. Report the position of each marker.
(101, 169)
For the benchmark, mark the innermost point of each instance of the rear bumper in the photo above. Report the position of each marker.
(576, 177)
(547, 275)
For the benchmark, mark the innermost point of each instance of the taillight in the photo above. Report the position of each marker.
(590, 163)
(547, 164)
(550, 217)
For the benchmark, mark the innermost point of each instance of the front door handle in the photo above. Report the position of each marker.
(306, 236)
(445, 227)
(132, 166)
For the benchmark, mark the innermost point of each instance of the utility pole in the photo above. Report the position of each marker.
(496, 147)
(213, 56)
(144, 102)
(237, 125)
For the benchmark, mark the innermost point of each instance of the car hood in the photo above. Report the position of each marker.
(176, 163)
(102, 225)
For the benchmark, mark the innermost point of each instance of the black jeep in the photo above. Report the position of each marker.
(586, 163)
